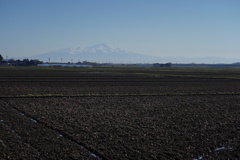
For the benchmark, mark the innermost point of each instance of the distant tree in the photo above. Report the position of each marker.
(34, 62)
(1, 58)
(90, 63)
(25, 62)
(11, 61)
(169, 64)
(18, 61)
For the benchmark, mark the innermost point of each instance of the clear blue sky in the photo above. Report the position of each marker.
(191, 28)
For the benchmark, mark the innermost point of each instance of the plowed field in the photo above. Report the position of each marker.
(119, 113)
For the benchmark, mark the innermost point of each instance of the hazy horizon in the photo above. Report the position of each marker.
(159, 28)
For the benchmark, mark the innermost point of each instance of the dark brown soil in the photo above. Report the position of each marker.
(127, 115)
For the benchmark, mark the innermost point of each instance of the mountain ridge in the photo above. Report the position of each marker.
(104, 52)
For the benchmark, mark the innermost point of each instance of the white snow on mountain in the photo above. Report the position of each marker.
(103, 48)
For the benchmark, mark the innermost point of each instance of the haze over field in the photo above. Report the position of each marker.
(159, 28)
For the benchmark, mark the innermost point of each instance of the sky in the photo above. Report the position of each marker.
(188, 28)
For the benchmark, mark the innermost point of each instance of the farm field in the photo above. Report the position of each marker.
(119, 113)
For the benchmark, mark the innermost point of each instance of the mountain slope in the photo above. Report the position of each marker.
(98, 53)
(107, 53)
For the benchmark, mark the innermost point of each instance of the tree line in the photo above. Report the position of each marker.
(24, 62)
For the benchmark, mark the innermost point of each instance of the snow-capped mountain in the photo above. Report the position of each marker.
(97, 53)
(107, 53)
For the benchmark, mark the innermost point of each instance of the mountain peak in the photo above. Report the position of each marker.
(102, 48)
(106, 45)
